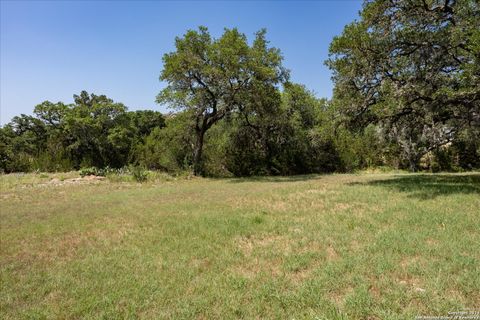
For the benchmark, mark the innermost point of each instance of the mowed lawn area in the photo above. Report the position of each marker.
(366, 246)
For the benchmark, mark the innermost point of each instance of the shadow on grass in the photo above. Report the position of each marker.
(429, 186)
(297, 178)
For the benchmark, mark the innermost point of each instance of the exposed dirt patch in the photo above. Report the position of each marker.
(80, 180)
(331, 253)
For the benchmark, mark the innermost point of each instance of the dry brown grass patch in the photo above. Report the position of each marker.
(338, 297)
(250, 244)
(65, 247)
(431, 242)
(342, 206)
(331, 253)
(255, 267)
(201, 264)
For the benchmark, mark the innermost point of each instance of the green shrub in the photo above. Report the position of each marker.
(119, 177)
(139, 173)
(91, 171)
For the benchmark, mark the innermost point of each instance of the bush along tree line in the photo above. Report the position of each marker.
(406, 95)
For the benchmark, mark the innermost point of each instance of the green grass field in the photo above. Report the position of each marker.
(366, 246)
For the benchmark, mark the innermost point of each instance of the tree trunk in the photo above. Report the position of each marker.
(413, 166)
(197, 153)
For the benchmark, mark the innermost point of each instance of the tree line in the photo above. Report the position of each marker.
(406, 95)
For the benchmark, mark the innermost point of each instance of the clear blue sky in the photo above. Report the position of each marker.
(52, 50)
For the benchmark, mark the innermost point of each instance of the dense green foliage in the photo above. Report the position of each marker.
(214, 78)
(407, 95)
(413, 68)
(93, 131)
